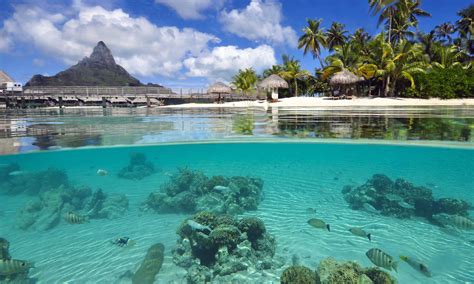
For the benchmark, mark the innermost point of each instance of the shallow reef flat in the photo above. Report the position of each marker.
(269, 241)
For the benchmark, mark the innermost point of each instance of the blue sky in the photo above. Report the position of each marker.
(178, 43)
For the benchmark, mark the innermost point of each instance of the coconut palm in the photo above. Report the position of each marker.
(427, 41)
(335, 36)
(313, 39)
(275, 69)
(413, 11)
(465, 27)
(450, 56)
(292, 73)
(401, 29)
(444, 31)
(245, 80)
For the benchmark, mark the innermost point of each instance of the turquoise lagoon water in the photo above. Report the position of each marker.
(298, 172)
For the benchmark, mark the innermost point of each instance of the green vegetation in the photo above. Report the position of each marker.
(400, 61)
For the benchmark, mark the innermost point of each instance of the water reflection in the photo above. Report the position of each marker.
(41, 129)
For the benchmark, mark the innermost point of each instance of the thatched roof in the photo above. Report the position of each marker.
(140, 100)
(4, 78)
(273, 81)
(219, 88)
(345, 77)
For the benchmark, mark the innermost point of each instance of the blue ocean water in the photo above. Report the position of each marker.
(296, 176)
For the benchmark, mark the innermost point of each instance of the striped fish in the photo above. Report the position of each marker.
(457, 221)
(73, 218)
(14, 266)
(123, 242)
(320, 224)
(381, 259)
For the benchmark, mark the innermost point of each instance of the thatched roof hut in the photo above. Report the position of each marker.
(273, 82)
(219, 88)
(345, 77)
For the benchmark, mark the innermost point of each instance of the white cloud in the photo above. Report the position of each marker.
(259, 21)
(138, 45)
(191, 9)
(224, 61)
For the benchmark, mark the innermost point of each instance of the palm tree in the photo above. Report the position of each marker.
(444, 31)
(292, 72)
(427, 41)
(335, 36)
(401, 29)
(449, 57)
(407, 60)
(465, 27)
(275, 69)
(245, 80)
(413, 10)
(313, 39)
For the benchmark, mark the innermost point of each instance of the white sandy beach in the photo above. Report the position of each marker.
(325, 102)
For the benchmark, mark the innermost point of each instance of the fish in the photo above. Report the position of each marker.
(221, 188)
(123, 242)
(405, 205)
(393, 197)
(311, 210)
(14, 266)
(102, 172)
(16, 173)
(457, 221)
(320, 224)
(73, 218)
(361, 233)
(382, 259)
(198, 227)
(369, 208)
(417, 265)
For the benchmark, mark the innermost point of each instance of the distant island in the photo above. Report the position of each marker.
(99, 69)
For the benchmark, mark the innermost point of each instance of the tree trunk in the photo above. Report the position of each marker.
(368, 92)
(387, 87)
(296, 87)
(392, 91)
(321, 62)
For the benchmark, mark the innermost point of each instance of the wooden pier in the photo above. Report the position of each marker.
(68, 96)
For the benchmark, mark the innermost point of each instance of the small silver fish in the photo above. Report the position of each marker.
(14, 266)
(102, 172)
(393, 197)
(198, 227)
(73, 218)
(16, 173)
(221, 188)
(320, 224)
(417, 265)
(369, 208)
(311, 210)
(405, 205)
(361, 233)
(381, 259)
(457, 221)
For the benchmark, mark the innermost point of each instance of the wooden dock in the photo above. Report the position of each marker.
(110, 97)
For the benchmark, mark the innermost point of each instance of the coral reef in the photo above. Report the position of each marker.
(331, 271)
(299, 274)
(191, 191)
(46, 211)
(138, 167)
(401, 199)
(213, 247)
(19, 269)
(15, 181)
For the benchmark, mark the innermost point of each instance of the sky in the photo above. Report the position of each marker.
(177, 43)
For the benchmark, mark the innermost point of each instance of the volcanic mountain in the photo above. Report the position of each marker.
(99, 69)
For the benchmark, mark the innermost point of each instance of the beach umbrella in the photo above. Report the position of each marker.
(273, 83)
(219, 88)
(345, 77)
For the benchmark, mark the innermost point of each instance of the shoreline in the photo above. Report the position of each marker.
(324, 102)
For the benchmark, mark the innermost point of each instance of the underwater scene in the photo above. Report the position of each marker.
(285, 211)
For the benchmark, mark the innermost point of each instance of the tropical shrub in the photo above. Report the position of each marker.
(446, 83)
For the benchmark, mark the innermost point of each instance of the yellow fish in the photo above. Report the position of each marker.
(73, 218)
(320, 224)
